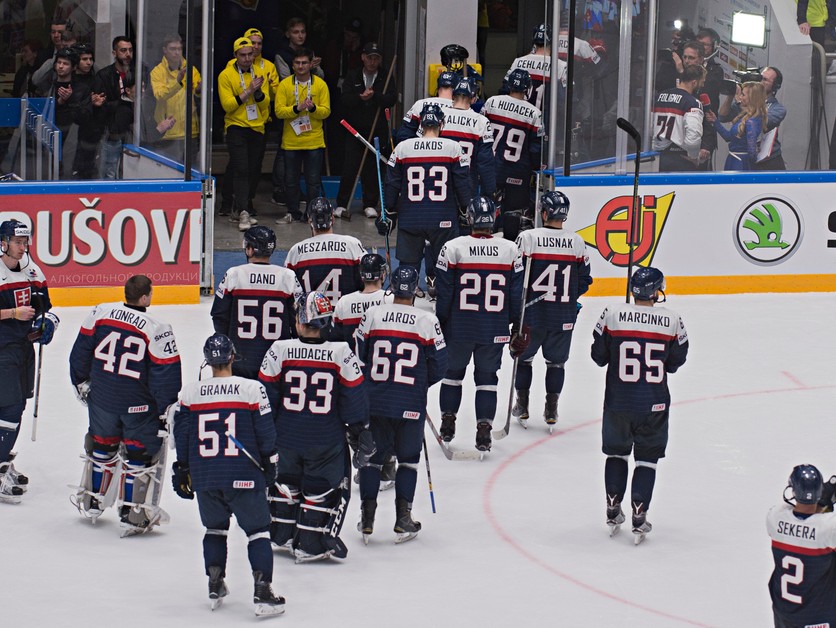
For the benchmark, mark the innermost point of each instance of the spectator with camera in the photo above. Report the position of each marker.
(745, 132)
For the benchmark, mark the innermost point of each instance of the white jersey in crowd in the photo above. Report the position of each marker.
(539, 67)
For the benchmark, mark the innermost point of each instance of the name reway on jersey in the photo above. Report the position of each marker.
(645, 318)
(797, 530)
(207, 390)
(399, 317)
(310, 353)
(513, 107)
(127, 316)
(667, 97)
(360, 308)
(322, 246)
(555, 242)
(256, 278)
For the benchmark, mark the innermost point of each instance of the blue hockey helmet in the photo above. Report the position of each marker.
(481, 212)
(555, 204)
(446, 79)
(321, 213)
(372, 267)
(806, 483)
(431, 115)
(218, 350)
(261, 239)
(542, 35)
(404, 282)
(314, 309)
(646, 282)
(463, 88)
(519, 80)
(10, 229)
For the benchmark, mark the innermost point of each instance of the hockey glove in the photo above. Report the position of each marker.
(463, 221)
(828, 495)
(520, 339)
(271, 470)
(362, 442)
(82, 391)
(43, 329)
(181, 480)
(385, 226)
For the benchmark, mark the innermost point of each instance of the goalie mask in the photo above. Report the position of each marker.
(314, 309)
(454, 56)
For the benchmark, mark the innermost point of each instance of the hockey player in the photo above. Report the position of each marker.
(254, 302)
(678, 121)
(474, 134)
(218, 424)
(479, 280)
(559, 275)
(316, 389)
(427, 181)
(518, 129)
(351, 307)
(538, 63)
(24, 318)
(803, 533)
(639, 345)
(404, 353)
(126, 369)
(326, 262)
(411, 124)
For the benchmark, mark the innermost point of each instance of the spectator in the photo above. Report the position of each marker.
(23, 85)
(89, 133)
(363, 99)
(69, 95)
(746, 128)
(693, 53)
(108, 90)
(811, 16)
(42, 77)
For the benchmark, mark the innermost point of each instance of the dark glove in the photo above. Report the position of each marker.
(271, 469)
(43, 328)
(828, 494)
(362, 442)
(82, 391)
(181, 480)
(463, 221)
(520, 339)
(385, 226)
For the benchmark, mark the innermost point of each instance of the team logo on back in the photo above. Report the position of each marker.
(768, 231)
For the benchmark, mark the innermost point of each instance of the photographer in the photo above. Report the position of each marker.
(693, 54)
(669, 60)
(771, 79)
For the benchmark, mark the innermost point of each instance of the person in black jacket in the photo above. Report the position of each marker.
(363, 99)
(108, 90)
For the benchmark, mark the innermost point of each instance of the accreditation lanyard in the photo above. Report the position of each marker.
(241, 76)
(296, 89)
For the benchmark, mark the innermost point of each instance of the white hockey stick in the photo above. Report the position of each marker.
(449, 453)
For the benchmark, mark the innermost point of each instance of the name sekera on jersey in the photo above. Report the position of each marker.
(321, 246)
(797, 530)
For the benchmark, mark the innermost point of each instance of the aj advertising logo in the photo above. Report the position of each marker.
(611, 230)
(768, 231)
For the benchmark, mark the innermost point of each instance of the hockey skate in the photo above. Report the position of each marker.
(16, 477)
(406, 528)
(144, 513)
(217, 587)
(10, 493)
(520, 409)
(432, 291)
(550, 413)
(448, 427)
(483, 436)
(89, 502)
(387, 474)
(267, 604)
(641, 526)
(366, 524)
(615, 516)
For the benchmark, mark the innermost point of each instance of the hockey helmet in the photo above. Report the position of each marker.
(555, 204)
(431, 115)
(519, 80)
(261, 239)
(446, 79)
(12, 228)
(542, 35)
(463, 88)
(806, 484)
(481, 212)
(454, 56)
(372, 267)
(321, 213)
(646, 282)
(314, 309)
(404, 282)
(218, 350)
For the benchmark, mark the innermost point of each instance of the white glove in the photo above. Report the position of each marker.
(82, 391)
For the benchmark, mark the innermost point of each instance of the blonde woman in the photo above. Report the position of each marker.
(745, 132)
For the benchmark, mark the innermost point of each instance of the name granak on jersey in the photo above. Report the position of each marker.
(321, 246)
(797, 530)
(645, 318)
(207, 390)
(127, 316)
(310, 353)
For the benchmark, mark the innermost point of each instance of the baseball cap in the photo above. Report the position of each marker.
(253, 31)
(241, 42)
(372, 48)
(354, 25)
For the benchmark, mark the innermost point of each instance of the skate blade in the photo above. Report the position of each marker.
(287, 547)
(366, 539)
(615, 528)
(403, 537)
(638, 537)
(523, 422)
(130, 530)
(308, 558)
(268, 610)
(216, 603)
(9, 499)
(386, 485)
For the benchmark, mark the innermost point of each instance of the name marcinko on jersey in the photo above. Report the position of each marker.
(399, 317)
(797, 530)
(646, 318)
(322, 246)
(219, 389)
(310, 353)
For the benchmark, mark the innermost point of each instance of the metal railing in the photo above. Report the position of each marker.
(46, 137)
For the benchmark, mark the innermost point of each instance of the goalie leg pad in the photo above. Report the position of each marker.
(316, 516)
(97, 490)
(284, 502)
(142, 488)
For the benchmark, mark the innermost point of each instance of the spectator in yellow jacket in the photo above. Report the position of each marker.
(303, 102)
(246, 106)
(811, 16)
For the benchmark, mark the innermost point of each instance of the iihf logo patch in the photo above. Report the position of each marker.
(243, 484)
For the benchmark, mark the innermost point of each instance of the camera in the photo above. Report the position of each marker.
(747, 75)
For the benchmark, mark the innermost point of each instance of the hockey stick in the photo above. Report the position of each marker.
(356, 134)
(449, 453)
(383, 218)
(389, 126)
(630, 130)
(37, 394)
(502, 433)
(429, 475)
(238, 444)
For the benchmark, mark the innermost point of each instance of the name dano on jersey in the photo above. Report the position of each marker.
(256, 278)
(310, 353)
(796, 530)
(219, 389)
(666, 97)
(398, 317)
(321, 246)
(644, 317)
(489, 251)
(555, 242)
(427, 145)
(127, 316)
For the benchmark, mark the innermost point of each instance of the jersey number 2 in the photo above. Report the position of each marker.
(796, 577)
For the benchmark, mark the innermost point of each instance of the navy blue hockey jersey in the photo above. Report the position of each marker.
(518, 128)
(211, 411)
(479, 283)
(26, 286)
(254, 306)
(559, 275)
(328, 263)
(404, 353)
(131, 360)
(316, 388)
(639, 345)
(427, 180)
(803, 584)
